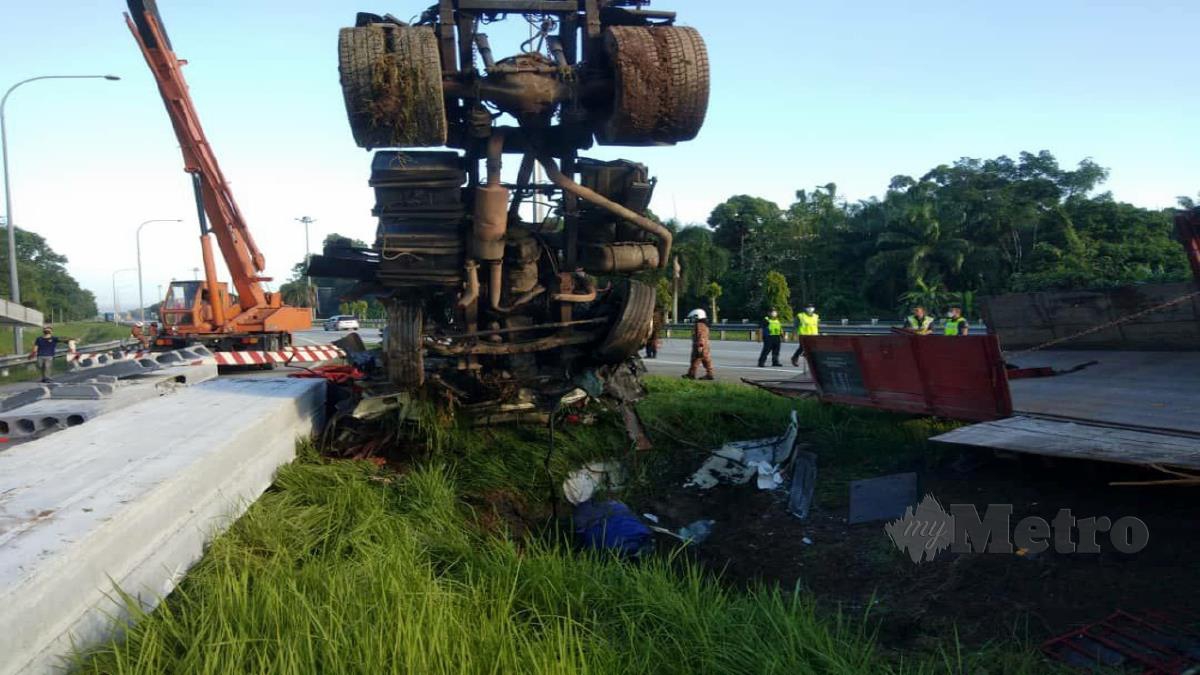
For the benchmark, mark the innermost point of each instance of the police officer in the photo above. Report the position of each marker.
(808, 323)
(919, 322)
(772, 339)
(956, 324)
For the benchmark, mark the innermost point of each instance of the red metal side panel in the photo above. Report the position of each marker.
(948, 376)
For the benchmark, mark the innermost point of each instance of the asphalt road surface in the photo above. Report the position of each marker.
(318, 336)
(732, 360)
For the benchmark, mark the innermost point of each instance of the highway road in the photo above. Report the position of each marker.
(733, 360)
(318, 336)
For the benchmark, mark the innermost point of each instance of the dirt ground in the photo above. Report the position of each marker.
(984, 597)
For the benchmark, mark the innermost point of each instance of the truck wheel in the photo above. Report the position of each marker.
(638, 82)
(682, 52)
(661, 82)
(633, 325)
(404, 351)
(392, 83)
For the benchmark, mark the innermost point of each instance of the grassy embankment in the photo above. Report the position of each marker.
(86, 332)
(346, 567)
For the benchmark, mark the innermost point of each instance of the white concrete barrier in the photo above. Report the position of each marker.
(131, 499)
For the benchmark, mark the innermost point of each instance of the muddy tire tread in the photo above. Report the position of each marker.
(632, 328)
(360, 50)
(681, 51)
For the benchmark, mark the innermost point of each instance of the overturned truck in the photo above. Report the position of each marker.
(486, 304)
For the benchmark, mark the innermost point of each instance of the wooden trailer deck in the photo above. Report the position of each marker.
(1130, 407)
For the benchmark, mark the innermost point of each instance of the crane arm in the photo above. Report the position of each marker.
(242, 256)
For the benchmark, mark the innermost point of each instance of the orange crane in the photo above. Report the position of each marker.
(204, 311)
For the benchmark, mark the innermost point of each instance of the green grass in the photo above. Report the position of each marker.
(87, 332)
(849, 442)
(84, 331)
(344, 567)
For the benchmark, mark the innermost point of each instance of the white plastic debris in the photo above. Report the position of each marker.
(737, 462)
(573, 396)
(697, 532)
(582, 483)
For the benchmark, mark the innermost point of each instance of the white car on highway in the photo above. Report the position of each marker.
(341, 322)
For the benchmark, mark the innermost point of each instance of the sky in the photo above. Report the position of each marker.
(848, 92)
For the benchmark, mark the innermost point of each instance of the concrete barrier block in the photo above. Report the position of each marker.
(25, 397)
(42, 416)
(93, 391)
(117, 369)
(191, 375)
(102, 379)
(114, 503)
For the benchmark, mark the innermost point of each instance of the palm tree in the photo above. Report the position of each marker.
(714, 291)
(932, 296)
(916, 243)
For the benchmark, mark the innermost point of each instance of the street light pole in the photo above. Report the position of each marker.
(116, 298)
(14, 283)
(141, 300)
(307, 259)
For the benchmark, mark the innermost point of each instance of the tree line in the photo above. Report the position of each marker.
(44, 281)
(961, 231)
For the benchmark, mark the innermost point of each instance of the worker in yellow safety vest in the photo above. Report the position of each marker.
(956, 324)
(808, 323)
(919, 322)
(772, 339)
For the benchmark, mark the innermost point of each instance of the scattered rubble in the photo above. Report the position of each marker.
(737, 462)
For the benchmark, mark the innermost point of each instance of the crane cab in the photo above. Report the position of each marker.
(188, 309)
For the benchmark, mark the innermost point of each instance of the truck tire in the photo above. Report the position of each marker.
(392, 83)
(638, 82)
(633, 325)
(404, 352)
(661, 82)
(682, 53)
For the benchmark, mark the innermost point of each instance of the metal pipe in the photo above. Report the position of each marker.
(472, 293)
(655, 229)
(522, 329)
(587, 296)
(485, 50)
(506, 348)
(523, 175)
(524, 299)
(495, 279)
(495, 153)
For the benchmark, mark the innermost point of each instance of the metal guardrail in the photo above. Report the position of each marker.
(719, 330)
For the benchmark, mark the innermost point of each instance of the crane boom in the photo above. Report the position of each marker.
(259, 319)
(243, 258)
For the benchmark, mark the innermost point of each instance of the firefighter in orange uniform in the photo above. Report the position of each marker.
(700, 350)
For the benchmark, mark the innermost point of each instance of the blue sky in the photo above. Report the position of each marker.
(853, 93)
